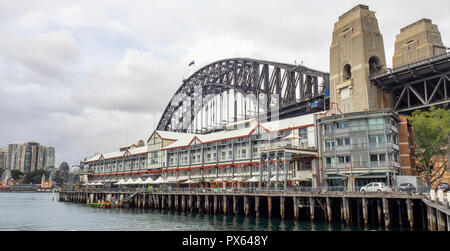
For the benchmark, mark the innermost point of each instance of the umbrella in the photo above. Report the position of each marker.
(191, 182)
(148, 181)
(237, 179)
(219, 180)
(138, 181)
(160, 180)
(253, 179)
(128, 182)
(121, 181)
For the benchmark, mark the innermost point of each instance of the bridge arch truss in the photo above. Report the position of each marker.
(235, 89)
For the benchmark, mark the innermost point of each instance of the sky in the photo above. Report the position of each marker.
(92, 76)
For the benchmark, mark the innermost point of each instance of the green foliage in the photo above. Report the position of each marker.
(16, 174)
(432, 140)
(34, 177)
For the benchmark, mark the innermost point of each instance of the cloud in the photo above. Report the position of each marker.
(47, 55)
(82, 75)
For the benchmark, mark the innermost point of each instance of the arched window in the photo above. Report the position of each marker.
(375, 64)
(347, 72)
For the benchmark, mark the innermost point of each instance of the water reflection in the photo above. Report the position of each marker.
(37, 211)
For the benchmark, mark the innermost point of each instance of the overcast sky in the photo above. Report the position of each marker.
(91, 76)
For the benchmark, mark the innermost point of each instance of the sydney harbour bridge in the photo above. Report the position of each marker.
(236, 89)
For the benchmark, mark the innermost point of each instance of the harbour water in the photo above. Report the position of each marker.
(39, 212)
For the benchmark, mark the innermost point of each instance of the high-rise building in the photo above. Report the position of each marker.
(3, 155)
(29, 157)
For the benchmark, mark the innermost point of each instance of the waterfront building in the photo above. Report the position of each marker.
(363, 147)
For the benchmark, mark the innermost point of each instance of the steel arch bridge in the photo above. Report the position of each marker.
(266, 90)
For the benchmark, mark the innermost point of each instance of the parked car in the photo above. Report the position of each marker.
(407, 187)
(375, 187)
(443, 186)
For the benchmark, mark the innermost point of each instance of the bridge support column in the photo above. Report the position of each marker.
(410, 213)
(365, 212)
(257, 206)
(448, 222)
(215, 204)
(169, 201)
(387, 216)
(120, 199)
(282, 213)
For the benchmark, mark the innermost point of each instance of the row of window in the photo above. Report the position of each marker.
(360, 124)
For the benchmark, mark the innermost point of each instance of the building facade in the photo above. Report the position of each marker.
(362, 147)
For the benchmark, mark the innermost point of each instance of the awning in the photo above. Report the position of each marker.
(238, 179)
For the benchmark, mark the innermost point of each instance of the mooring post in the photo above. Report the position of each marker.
(234, 205)
(387, 216)
(329, 213)
(199, 203)
(400, 216)
(312, 205)
(246, 206)
(410, 213)
(215, 204)
(440, 222)
(365, 211)
(269, 207)
(225, 205)
(282, 213)
(176, 202)
(183, 203)
(342, 211)
(207, 203)
(448, 222)
(296, 209)
(257, 206)
(379, 212)
(120, 200)
(346, 210)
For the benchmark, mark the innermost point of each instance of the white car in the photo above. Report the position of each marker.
(375, 187)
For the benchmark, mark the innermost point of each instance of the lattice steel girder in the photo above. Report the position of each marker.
(422, 92)
(291, 83)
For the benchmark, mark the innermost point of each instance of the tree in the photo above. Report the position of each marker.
(16, 174)
(34, 177)
(432, 141)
